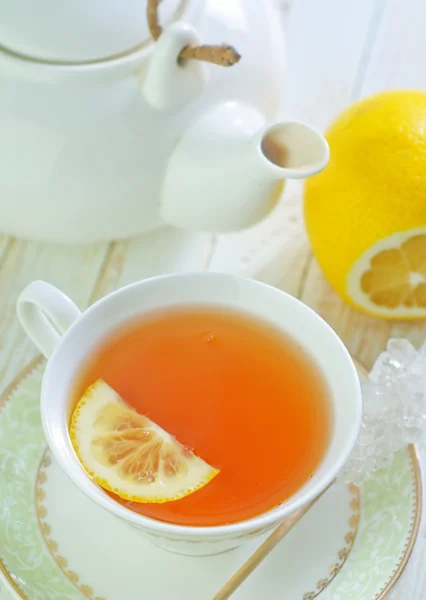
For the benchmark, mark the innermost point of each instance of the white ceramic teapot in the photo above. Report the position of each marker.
(105, 135)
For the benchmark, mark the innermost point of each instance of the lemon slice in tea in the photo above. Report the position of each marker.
(127, 454)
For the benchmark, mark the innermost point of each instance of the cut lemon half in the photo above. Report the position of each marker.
(127, 454)
(389, 280)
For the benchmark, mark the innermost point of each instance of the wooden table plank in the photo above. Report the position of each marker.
(165, 251)
(73, 269)
(365, 337)
(275, 251)
(5, 243)
(398, 60)
(326, 44)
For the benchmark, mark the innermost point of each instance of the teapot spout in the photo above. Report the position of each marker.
(292, 150)
(226, 172)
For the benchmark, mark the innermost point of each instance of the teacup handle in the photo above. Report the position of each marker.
(45, 313)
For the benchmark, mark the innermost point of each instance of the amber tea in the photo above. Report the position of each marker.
(235, 390)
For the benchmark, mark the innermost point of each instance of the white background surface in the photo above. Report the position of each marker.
(339, 50)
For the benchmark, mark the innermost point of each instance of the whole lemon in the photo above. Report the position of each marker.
(366, 212)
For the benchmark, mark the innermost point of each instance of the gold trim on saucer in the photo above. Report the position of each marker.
(6, 395)
(343, 554)
(414, 529)
(87, 591)
(334, 569)
(11, 581)
(416, 516)
(45, 529)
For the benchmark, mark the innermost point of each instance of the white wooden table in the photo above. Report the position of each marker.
(339, 50)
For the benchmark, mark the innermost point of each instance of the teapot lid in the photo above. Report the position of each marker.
(75, 31)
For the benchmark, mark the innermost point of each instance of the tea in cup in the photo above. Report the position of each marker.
(241, 375)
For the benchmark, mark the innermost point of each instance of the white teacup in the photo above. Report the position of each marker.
(67, 338)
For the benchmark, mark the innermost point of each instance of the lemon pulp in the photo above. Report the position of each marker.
(128, 454)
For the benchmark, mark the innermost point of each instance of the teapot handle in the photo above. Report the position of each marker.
(176, 72)
(223, 54)
(45, 313)
(169, 85)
